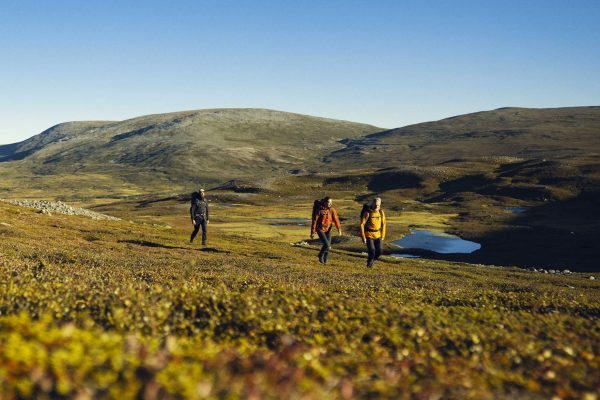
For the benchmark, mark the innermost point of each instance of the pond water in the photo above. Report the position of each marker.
(515, 210)
(404, 255)
(438, 242)
(288, 221)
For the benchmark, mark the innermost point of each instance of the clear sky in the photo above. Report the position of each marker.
(387, 63)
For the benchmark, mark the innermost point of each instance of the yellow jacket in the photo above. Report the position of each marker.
(373, 224)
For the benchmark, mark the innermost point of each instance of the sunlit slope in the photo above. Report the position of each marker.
(121, 310)
(178, 148)
(571, 134)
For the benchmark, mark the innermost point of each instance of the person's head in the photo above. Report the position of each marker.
(376, 204)
(201, 191)
(327, 202)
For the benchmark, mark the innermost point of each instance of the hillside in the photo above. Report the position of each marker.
(570, 134)
(177, 149)
(477, 167)
(543, 163)
(129, 309)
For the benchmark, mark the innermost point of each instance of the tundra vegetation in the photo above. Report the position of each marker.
(129, 309)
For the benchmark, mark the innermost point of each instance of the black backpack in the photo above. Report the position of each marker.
(200, 208)
(365, 209)
(316, 206)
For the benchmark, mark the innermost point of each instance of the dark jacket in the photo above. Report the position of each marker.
(198, 207)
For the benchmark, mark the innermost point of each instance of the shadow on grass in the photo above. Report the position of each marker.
(146, 243)
(214, 250)
(557, 234)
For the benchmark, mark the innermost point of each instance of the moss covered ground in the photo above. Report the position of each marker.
(131, 309)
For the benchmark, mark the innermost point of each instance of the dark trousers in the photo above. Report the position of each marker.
(326, 240)
(200, 222)
(374, 249)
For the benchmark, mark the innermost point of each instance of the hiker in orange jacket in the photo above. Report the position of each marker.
(372, 229)
(323, 218)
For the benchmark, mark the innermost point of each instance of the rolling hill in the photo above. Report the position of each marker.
(571, 134)
(177, 149)
(474, 166)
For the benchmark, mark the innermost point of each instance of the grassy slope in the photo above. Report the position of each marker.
(527, 133)
(176, 150)
(124, 309)
(476, 165)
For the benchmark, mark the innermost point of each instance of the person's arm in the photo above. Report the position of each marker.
(336, 220)
(383, 225)
(192, 211)
(207, 219)
(363, 220)
(313, 225)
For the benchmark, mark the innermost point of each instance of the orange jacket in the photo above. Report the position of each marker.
(323, 218)
(373, 224)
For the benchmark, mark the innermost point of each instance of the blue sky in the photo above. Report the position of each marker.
(387, 63)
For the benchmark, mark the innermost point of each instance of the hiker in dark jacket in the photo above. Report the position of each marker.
(323, 218)
(199, 214)
(372, 229)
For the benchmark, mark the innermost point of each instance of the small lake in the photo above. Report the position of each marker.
(403, 255)
(437, 242)
(288, 221)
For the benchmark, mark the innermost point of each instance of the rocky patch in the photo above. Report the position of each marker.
(58, 207)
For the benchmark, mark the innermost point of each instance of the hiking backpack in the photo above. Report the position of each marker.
(316, 206)
(366, 209)
(200, 208)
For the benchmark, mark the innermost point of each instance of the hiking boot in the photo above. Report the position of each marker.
(203, 243)
(325, 258)
(370, 263)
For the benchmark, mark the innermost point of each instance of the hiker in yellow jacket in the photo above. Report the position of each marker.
(372, 229)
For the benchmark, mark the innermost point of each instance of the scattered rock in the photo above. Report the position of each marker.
(48, 207)
(300, 244)
(592, 278)
(5, 224)
(567, 272)
(553, 271)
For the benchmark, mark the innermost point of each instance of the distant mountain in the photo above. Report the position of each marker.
(200, 146)
(558, 133)
(517, 152)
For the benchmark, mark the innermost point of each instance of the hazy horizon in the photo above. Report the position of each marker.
(387, 63)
